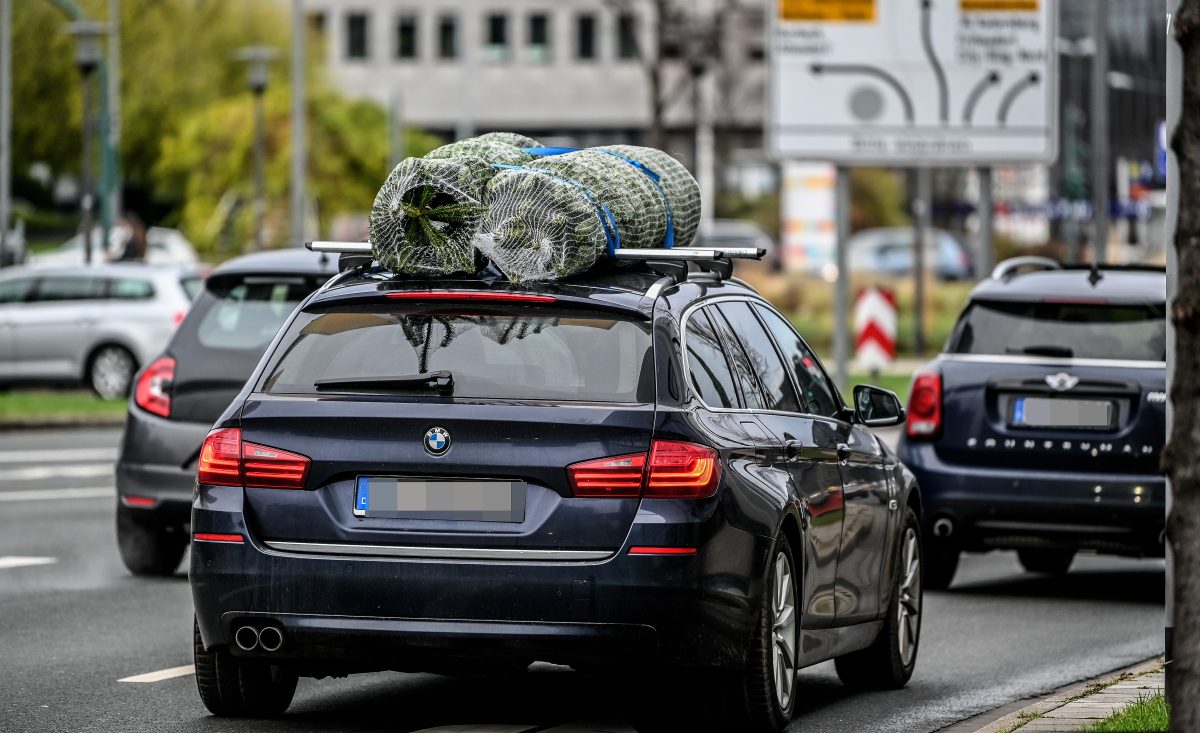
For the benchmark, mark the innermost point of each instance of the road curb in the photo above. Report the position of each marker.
(1060, 698)
(91, 422)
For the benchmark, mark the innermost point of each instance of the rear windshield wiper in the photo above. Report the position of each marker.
(1064, 352)
(441, 382)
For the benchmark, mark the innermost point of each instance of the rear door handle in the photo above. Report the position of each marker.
(844, 452)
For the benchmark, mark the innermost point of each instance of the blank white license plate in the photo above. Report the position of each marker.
(455, 499)
(1041, 412)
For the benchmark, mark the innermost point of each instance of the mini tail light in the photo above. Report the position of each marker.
(227, 461)
(671, 470)
(925, 406)
(178, 316)
(153, 390)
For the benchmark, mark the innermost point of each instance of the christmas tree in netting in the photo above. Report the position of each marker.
(430, 209)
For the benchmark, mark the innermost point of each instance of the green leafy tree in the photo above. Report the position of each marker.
(208, 164)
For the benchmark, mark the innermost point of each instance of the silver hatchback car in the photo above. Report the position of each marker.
(91, 325)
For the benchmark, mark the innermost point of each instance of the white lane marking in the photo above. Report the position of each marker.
(57, 456)
(162, 674)
(90, 492)
(38, 473)
(18, 561)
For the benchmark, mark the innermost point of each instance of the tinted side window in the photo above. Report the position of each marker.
(817, 391)
(54, 289)
(131, 289)
(14, 291)
(706, 364)
(743, 369)
(764, 360)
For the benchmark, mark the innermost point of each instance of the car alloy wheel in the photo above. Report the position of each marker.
(908, 609)
(783, 630)
(112, 372)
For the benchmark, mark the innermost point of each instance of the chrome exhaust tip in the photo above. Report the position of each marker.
(270, 638)
(246, 637)
(943, 527)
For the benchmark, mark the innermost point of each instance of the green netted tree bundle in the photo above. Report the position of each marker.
(547, 221)
(429, 209)
(683, 193)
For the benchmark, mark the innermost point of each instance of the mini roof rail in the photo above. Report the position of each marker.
(1010, 268)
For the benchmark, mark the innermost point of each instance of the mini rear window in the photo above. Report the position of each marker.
(248, 314)
(530, 354)
(1067, 330)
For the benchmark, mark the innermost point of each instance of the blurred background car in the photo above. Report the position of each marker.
(163, 246)
(735, 233)
(92, 325)
(889, 251)
(181, 394)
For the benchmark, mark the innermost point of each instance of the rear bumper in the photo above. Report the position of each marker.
(344, 613)
(157, 462)
(1010, 508)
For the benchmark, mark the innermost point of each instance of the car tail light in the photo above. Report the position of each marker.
(177, 317)
(681, 471)
(925, 406)
(671, 470)
(618, 476)
(227, 461)
(153, 391)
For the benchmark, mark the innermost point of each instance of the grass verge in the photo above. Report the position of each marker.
(51, 406)
(1147, 715)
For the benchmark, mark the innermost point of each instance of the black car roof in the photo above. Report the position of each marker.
(1114, 286)
(292, 261)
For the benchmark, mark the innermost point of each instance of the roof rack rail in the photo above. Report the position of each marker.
(1010, 268)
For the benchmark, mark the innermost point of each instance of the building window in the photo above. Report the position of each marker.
(496, 47)
(585, 37)
(356, 36)
(406, 37)
(627, 42)
(539, 38)
(447, 37)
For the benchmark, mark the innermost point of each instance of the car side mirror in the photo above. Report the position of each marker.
(877, 408)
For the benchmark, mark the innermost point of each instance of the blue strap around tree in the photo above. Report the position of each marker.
(669, 238)
(611, 236)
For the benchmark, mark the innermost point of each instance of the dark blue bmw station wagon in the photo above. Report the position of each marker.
(644, 466)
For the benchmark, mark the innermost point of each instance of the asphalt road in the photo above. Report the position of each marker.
(74, 624)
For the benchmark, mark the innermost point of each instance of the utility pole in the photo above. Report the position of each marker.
(1174, 110)
(922, 236)
(88, 55)
(396, 149)
(257, 58)
(5, 125)
(299, 136)
(466, 114)
(987, 254)
(1100, 148)
(114, 202)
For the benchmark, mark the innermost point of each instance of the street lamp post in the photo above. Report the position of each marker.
(257, 58)
(88, 54)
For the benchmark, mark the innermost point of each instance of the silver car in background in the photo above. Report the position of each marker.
(163, 247)
(91, 325)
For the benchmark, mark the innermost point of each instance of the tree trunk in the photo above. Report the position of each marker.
(1181, 459)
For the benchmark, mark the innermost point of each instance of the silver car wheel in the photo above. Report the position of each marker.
(783, 630)
(112, 372)
(909, 607)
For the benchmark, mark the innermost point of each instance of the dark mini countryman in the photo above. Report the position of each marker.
(1039, 427)
(635, 469)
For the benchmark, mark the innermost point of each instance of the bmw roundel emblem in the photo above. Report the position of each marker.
(437, 441)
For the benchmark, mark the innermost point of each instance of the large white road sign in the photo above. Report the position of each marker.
(914, 82)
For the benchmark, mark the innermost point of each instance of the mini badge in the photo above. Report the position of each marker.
(437, 441)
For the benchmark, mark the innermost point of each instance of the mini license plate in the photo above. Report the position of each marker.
(1041, 412)
(456, 499)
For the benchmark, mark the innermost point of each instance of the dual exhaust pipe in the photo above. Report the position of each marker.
(267, 639)
(943, 527)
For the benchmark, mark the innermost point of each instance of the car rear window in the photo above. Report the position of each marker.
(1068, 330)
(530, 354)
(246, 315)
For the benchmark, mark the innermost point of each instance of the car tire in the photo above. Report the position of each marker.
(1048, 562)
(889, 662)
(240, 688)
(110, 371)
(146, 547)
(763, 697)
(940, 563)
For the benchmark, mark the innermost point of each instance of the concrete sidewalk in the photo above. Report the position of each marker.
(1078, 708)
